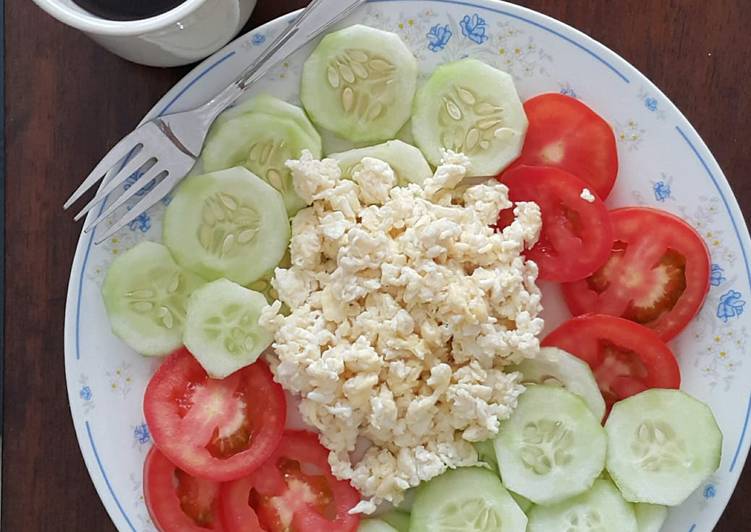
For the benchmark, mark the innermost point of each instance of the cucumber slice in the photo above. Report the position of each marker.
(468, 499)
(397, 519)
(145, 293)
(552, 447)
(375, 525)
(227, 224)
(230, 142)
(221, 327)
(557, 367)
(263, 143)
(662, 444)
(265, 103)
(359, 82)
(470, 107)
(601, 509)
(406, 161)
(650, 517)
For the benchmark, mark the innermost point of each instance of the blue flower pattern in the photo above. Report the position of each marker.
(473, 28)
(141, 434)
(710, 491)
(662, 190)
(258, 39)
(86, 393)
(717, 275)
(731, 305)
(142, 223)
(650, 103)
(568, 91)
(135, 177)
(438, 37)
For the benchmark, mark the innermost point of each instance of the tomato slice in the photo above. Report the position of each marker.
(566, 134)
(576, 234)
(657, 273)
(626, 358)
(219, 430)
(178, 501)
(294, 491)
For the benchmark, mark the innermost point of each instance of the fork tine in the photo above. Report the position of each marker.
(153, 197)
(131, 166)
(152, 173)
(121, 150)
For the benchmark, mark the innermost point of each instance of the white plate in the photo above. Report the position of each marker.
(664, 163)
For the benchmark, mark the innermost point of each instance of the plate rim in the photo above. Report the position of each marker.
(695, 143)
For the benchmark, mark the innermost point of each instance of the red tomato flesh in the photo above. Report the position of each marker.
(566, 134)
(626, 358)
(576, 234)
(294, 491)
(178, 501)
(214, 429)
(657, 273)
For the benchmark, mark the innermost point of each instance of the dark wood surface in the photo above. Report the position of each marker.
(68, 101)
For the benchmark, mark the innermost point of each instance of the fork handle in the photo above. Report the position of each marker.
(316, 18)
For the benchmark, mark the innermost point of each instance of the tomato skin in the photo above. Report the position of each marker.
(164, 501)
(566, 134)
(576, 234)
(238, 515)
(625, 357)
(185, 410)
(657, 274)
(272, 485)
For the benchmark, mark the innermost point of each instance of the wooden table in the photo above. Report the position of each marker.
(68, 101)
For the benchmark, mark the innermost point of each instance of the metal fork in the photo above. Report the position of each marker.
(167, 147)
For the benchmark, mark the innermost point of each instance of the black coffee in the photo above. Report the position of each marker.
(127, 9)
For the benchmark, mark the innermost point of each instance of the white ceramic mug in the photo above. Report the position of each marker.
(187, 33)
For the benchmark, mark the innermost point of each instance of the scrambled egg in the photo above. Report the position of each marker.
(405, 308)
(587, 195)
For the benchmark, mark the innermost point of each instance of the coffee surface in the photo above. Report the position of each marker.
(127, 9)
